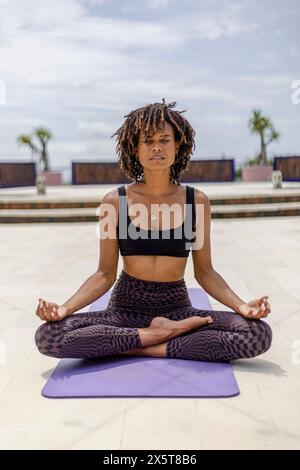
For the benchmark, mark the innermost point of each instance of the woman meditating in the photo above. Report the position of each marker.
(149, 312)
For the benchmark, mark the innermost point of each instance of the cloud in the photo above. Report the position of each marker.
(158, 4)
(294, 51)
(268, 85)
(22, 21)
(94, 3)
(78, 66)
(223, 23)
(95, 128)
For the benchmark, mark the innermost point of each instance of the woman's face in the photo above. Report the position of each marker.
(159, 149)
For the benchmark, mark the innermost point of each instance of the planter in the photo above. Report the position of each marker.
(52, 178)
(257, 173)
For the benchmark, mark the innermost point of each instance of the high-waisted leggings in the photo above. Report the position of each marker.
(133, 304)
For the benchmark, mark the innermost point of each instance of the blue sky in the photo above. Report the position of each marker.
(78, 66)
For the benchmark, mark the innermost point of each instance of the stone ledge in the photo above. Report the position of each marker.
(90, 215)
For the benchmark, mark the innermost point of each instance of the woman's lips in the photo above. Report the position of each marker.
(157, 157)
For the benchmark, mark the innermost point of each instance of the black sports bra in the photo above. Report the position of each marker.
(170, 242)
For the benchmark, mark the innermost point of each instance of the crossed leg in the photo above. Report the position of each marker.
(93, 334)
(228, 337)
(105, 333)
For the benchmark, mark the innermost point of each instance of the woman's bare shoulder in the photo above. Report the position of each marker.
(112, 197)
(110, 205)
(200, 196)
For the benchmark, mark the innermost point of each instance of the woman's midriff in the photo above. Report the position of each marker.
(155, 268)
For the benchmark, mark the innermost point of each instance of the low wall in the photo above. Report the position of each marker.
(14, 174)
(109, 172)
(289, 167)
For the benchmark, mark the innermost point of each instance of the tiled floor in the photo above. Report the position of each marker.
(256, 257)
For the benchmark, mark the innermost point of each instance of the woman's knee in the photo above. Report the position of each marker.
(268, 335)
(47, 339)
(261, 338)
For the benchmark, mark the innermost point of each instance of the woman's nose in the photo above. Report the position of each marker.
(157, 147)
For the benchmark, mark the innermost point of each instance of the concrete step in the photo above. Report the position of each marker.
(90, 214)
(255, 210)
(69, 203)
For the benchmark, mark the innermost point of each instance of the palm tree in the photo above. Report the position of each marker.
(26, 139)
(262, 126)
(43, 136)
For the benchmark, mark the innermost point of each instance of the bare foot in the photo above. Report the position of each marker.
(162, 329)
(159, 350)
(173, 328)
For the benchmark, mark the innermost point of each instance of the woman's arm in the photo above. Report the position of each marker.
(211, 281)
(104, 277)
(204, 272)
(214, 284)
(93, 288)
(102, 280)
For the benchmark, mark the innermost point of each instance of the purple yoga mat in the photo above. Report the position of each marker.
(133, 376)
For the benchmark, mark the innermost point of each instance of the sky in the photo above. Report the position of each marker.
(78, 67)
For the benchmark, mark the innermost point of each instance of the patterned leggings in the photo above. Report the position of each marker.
(133, 304)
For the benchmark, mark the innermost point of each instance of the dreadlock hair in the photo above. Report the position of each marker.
(154, 116)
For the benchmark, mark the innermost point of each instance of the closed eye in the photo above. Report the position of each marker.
(150, 141)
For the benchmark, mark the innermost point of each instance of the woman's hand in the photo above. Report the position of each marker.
(50, 311)
(255, 309)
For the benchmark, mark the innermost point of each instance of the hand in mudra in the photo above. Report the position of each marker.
(50, 311)
(255, 309)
